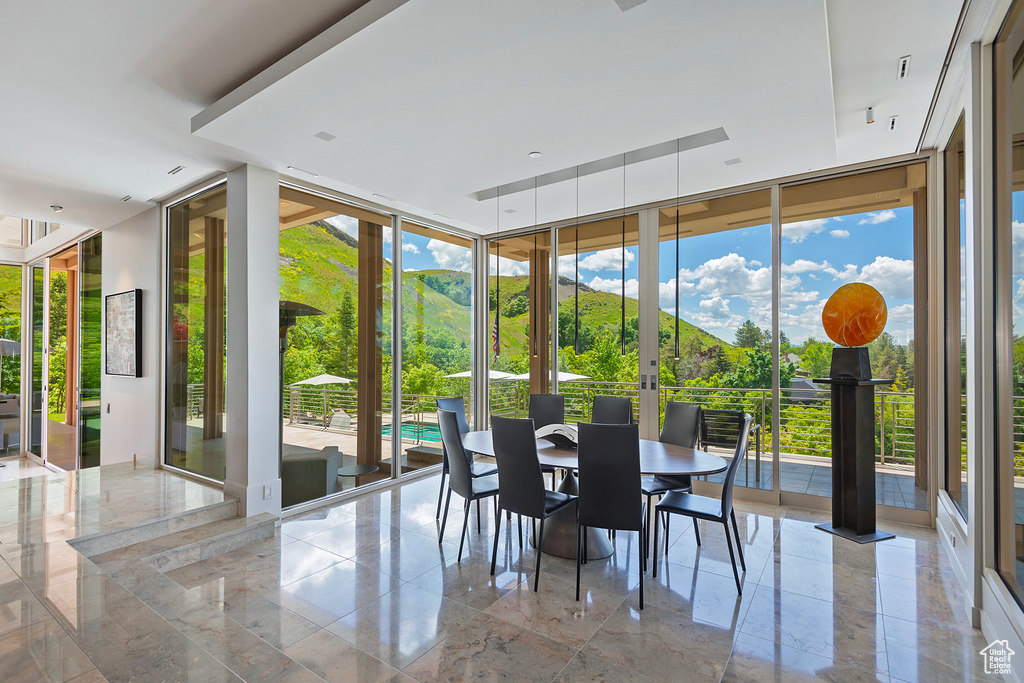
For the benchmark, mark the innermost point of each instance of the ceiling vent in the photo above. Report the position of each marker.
(892, 122)
(325, 136)
(903, 68)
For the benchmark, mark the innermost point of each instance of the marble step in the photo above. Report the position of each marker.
(106, 541)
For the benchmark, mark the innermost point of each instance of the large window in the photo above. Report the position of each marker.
(10, 358)
(857, 228)
(196, 388)
(715, 260)
(335, 302)
(437, 335)
(957, 427)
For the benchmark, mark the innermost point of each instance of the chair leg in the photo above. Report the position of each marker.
(739, 543)
(668, 524)
(643, 559)
(497, 531)
(696, 531)
(478, 515)
(579, 554)
(440, 495)
(444, 520)
(465, 524)
(586, 550)
(540, 544)
(732, 558)
(657, 523)
(520, 517)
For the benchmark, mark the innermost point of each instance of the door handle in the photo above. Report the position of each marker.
(654, 382)
(643, 381)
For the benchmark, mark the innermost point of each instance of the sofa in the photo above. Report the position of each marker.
(308, 476)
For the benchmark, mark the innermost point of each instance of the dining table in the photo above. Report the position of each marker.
(656, 458)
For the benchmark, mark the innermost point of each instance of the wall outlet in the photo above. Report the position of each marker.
(266, 492)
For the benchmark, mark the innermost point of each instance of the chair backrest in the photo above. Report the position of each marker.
(734, 466)
(612, 410)
(457, 406)
(609, 466)
(520, 481)
(547, 409)
(682, 422)
(720, 427)
(458, 461)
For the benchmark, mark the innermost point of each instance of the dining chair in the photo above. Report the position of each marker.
(609, 467)
(478, 469)
(612, 410)
(520, 481)
(462, 480)
(708, 509)
(721, 427)
(544, 410)
(682, 421)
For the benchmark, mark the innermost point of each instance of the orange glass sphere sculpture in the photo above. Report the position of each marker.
(854, 315)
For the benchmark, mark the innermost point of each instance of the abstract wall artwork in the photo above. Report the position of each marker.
(124, 327)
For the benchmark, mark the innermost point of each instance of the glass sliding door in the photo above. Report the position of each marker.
(857, 228)
(62, 359)
(196, 389)
(957, 426)
(437, 336)
(335, 321)
(37, 362)
(90, 268)
(10, 359)
(715, 318)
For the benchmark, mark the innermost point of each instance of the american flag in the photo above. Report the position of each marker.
(495, 345)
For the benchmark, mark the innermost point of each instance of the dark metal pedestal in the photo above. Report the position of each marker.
(853, 446)
(560, 530)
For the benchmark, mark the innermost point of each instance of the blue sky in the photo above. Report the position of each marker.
(725, 277)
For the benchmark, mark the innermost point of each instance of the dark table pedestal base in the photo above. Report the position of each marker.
(560, 530)
(851, 535)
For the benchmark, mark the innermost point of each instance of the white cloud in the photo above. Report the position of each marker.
(614, 285)
(893, 278)
(801, 230)
(714, 314)
(840, 234)
(508, 266)
(848, 273)
(410, 247)
(450, 256)
(606, 259)
(878, 217)
(1018, 248)
(350, 226)
(802, 265)
(731, 275)
(667, 293)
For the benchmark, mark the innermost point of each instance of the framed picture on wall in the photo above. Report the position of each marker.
(123, 333)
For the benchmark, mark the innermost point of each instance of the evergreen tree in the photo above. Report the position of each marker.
(749, 335)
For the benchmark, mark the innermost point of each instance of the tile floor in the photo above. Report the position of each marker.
(362, 591)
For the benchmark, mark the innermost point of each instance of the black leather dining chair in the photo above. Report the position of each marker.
(520, 481)
(609, 467)
(462, 480)
(477, 469)
(682, 421)
(612, 410)
(547, 409)
(709, 509)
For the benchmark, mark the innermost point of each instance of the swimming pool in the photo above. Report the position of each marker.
(424, 431)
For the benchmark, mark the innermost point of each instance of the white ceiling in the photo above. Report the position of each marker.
(440, 99)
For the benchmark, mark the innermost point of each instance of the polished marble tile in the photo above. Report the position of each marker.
(485, 647)
(402, 625)
(938, 605)
(328, 595)
(470, 582)
(41, 652)
(589, 667)
(829, 581)
(336, 661)
(663, 645)
(352, 538)
(755, 660)
(919, 652)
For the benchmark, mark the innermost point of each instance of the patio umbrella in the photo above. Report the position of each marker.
(320, 380)
(491, 374)
(562, 376)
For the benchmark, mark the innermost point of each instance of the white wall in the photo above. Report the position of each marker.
(131, 259)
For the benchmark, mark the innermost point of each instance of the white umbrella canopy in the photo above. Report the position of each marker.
(320, 380)
(491, 374)
(562, 376)
(9, 347)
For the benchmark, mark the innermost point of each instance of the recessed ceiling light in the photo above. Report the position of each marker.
(383, 196)
(441, 215)
(176, 170)
(892, 122)
(733, 162)
(293, 168)
(869, 115)
(902, 67)
(325, 136)
(535, 155)
(57, 208)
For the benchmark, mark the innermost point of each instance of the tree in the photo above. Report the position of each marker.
(749, 335)
(756, 372)
(816, 359)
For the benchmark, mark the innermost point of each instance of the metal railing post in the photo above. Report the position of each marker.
(881, 441)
